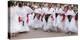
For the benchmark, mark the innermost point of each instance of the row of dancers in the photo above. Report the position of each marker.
(47, 18)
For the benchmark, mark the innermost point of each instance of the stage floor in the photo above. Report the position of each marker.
(40, 34)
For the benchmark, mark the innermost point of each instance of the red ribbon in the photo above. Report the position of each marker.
(52, 17)
(63, 18)
(19, 19)
(75, 18)
(27, 21)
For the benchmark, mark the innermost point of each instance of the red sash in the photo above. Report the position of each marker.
(76, 18)
(52, 18)
(27, 21)
(63, 18)
(42, 17)
(19, 19)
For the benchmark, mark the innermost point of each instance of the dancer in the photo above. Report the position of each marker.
(37, 17)
(27, 17)
(47, 22)
(16, 21)
(70, 25)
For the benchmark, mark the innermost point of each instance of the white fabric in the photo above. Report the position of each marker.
(27, 10)
(38, 10)
(31, 19)
(70, 26)
(15, 25)
(21, 12)
(50, 23)
(60, 11)
(37, 23)
(46, 10)
(59, 22)
(56, 10)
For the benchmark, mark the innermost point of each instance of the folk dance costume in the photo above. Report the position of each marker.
(29, 14)
(20, 12)
(59, 19)
(16, 22)
(56, 15)
(37, 19)
(26, 18)
(53, 20)
(76, 19)
(48, 20)
(70, 25)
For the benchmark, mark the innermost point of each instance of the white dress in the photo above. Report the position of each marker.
(70, 26)
(54, 28)
(59, 18)
(26, 10)
(15, 26)
(26, 25)
(37, 23)
(48, 26)
(44, 24)
(31, 19)
(22, 13)
(29, 11)
(56, 19)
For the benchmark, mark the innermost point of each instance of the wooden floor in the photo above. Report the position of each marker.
(40, 34)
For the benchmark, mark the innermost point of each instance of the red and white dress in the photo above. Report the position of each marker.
(26, 18)
(49, 24)
(59, 23)
(16, 23)
(70, 26)
(37, 22)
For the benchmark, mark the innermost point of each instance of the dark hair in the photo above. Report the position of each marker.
(66, 7)
(25, 3)
(20, 4)
(71, 7)
(10, 3)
